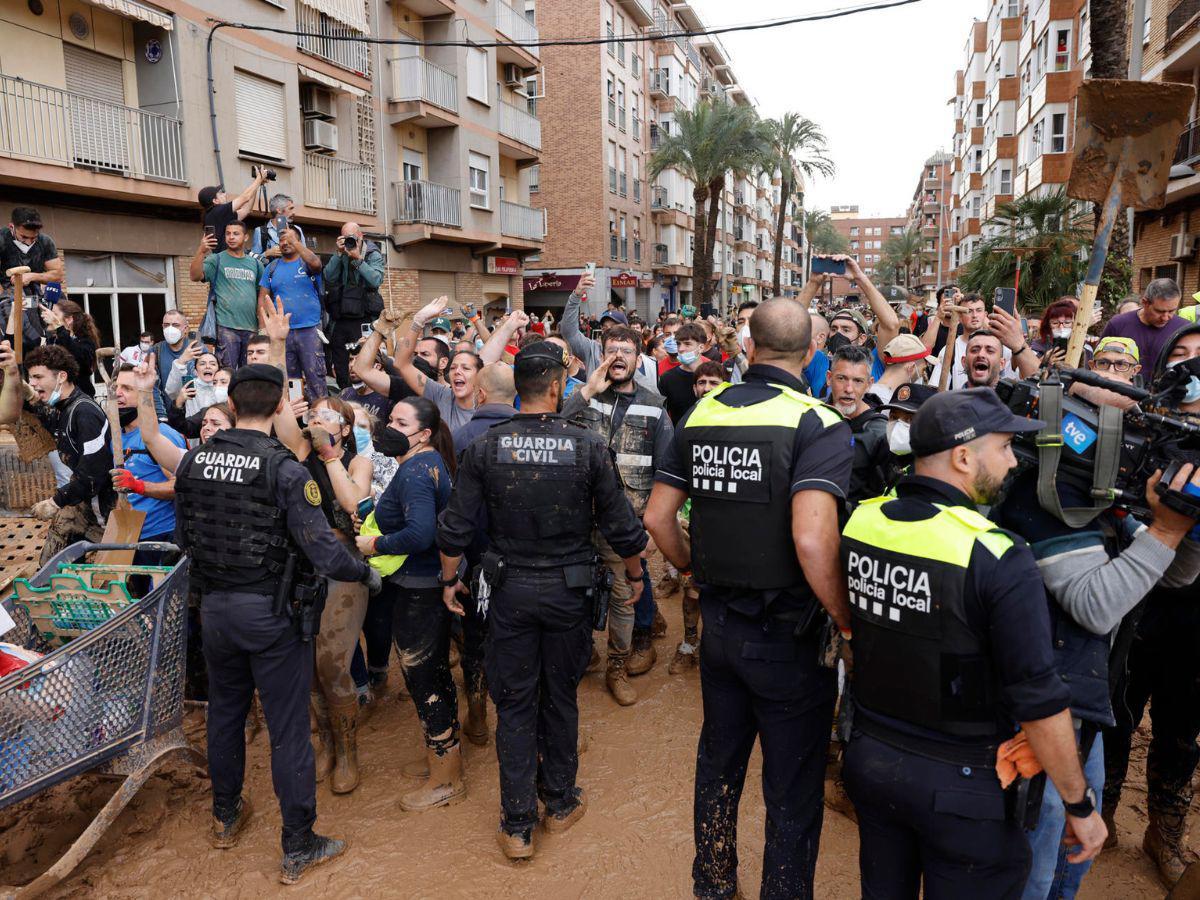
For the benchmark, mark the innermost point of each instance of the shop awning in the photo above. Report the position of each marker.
(330, 82)
(133, 10)
(348, 12)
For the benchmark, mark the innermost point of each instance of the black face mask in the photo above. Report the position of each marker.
(391, 442)
(127, 416)
(835, 342)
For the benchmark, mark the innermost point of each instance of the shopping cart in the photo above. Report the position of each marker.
(107, 697)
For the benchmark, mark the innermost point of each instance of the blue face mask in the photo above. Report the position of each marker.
(690, 357)
(56, 395)
(670, 346)
(362, 439)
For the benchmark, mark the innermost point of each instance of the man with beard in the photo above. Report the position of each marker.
(1016, 357)
(848, 378)
(952, 646)
(983, 359)
(634, 423)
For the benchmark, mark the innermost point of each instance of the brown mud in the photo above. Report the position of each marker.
(635, 840)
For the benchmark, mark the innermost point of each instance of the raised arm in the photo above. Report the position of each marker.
(13, 393)
(811, 288)
(493, 350)
(163, 451)
(243, 201)
(887, 323)
(208, 243)
(407, 344)
(349, 485)
(363, 364)
(581, 345)
(311, 260)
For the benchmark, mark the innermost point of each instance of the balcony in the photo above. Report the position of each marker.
(1188, 151)
(1181, 16)
(523, 222)
(655, 136)
(48, 125)
(333, 183)
(660, 255)
(414, 79)
(659, 198)
(519, 125)
(661, 25)
(427, 203)
(333, 41)
(639, 10)
(518, 29)
(660, 83)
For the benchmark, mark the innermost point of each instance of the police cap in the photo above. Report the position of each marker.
(956, 417)
(543, 350)
(910, 397)
(256, 372)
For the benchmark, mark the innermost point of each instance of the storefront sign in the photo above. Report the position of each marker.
(503, 265)
(624, 280)
(550, 282)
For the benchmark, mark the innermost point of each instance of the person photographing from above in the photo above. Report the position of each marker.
(295, 278)
(352, 279)
(219, 209)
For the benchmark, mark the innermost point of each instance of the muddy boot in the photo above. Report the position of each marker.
(557, 824)
(1108, 816)
(476, 728)
(416, 768)
(322, 731)
(516, 846)
(1165, 844)
(377, 679)
(658, 628)
(594, 663)
(226, 830)
(642, 656)
(686, 656)
(617, 679)
(445, 784)
(343, 718)
(316, 849)
(667, 584)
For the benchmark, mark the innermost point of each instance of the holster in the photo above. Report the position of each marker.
(310, 593)
(1023, 800)
(282, 604)
(493, 567)
(598, 579)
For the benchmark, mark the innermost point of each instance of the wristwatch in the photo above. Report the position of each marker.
(1084, 807)
(454, 579)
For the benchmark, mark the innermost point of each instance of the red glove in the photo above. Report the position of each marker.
(124, 481)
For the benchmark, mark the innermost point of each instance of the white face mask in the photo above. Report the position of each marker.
(146, 345)
(22, 246)
(743, 335)
(1061, 331)
(220, 393)
(898, 439)
(172, 335)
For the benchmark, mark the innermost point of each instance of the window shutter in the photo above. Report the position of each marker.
(261, 116)
(437, 284)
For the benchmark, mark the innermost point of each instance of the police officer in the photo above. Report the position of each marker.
(766, 467)
(904, 404)
(544, 483)
(250, 518)
(951, 646)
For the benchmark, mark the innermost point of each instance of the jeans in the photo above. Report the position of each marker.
(1051, 876)
(643, 610)
(421, 627)
(231, 346)
(377, 630)
(306, 357)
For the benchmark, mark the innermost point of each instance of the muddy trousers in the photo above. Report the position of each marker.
(421, 629)
(1164, 671)
(620, 607)
(922, 820)
(247, 647)
(474, 630)
(341, 622)
(758, 681)
(539, 643)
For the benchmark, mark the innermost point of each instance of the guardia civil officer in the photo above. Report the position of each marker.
(952, 648)
(767, 467)
(249, 516)
(545, 483)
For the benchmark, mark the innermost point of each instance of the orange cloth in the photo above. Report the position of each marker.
(1015, 757)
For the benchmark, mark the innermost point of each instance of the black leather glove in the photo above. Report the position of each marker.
(373, 581)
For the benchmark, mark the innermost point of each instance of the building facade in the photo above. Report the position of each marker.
(930, 213)
(866, 236)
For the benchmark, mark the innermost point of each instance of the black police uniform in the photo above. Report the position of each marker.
(544, 483)
(741, 453)
(243, 506)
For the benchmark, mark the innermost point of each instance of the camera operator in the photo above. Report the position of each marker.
(220, 210)
(264, 243)
(352, 280)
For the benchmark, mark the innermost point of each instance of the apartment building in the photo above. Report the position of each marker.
(1014, 110)
(866, 236)
(930, 212)
(105, 126)
(1166, 240)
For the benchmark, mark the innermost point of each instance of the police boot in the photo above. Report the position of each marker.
(1165, 844)
(444, 786)
(311, 852)
(642, 655)
(617, 679)
(1108, 816)
(322, 731)
(476, 728)
(226, 830)
(343, 718)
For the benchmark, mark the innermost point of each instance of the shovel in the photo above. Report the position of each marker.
(17, 274)
(124, 524)
(1126, 133)
(948, 350)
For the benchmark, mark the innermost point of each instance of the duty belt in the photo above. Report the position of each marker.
(977, 755)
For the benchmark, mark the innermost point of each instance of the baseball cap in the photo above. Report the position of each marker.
(256, 372)
(208, 194)
(893, 293)
(910, 397)
(543, 350)
(956, 417)
(854, 316)
(904, 348)
(1119, 345)
(616, 315)
(440, 322)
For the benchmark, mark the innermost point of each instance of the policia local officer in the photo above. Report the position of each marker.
(952, 645)
(545, 483)
(766, 467)
(250, 518)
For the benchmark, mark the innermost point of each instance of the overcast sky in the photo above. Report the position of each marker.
(877, 83)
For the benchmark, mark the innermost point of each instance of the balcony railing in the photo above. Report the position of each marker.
(333, 183)
(1189, 144)
(655, 136)
(1180, 16)
(660, 254)
(415, 78)
(659, 198)
(427, 203)
(50, 125)
(523, 222)
(660, 82)
(516, 123)
(516, 27)
(661, 24)
(325, 38)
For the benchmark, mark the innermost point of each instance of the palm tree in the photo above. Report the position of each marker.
(904, 253)
(795, 145)
(1055, 235)
(708, 142)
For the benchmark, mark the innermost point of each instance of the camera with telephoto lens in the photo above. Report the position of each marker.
(269, 174)
(1153, 436)
(349, 242)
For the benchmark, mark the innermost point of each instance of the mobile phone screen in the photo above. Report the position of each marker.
(365, 507)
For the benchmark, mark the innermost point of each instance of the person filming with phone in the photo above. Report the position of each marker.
(352, 279)
(295, 280)
(264, 243)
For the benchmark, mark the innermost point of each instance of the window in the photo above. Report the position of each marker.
(612, 233)
(977, 164)
(412, 165)
(611, 91)
(1035, 140)
(622, 178)
(854, 231)
(621, 46)
(608, 29)
(1062, 50)
(612, 167)
(530, 12)
(1058, 133)
(621, 105)
(979, 115)
(1005, 181)
(535, 179)
(637, 179)
(637, 239)
(477, 74)
(635, 63)
(624, 241)
(854, 245)
(480, 166)
(636, 124)
(1145, 25)
(259, 101)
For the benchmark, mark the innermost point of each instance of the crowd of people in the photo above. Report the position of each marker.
(832, 488)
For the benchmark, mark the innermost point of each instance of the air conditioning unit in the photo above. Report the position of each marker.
(320, 136)
(316, 102)
(513, 76)
(1183, 246)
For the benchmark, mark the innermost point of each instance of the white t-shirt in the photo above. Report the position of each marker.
(958, 375)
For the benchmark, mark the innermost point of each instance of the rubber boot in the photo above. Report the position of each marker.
(317, 850)
(445, 784)
(476, 728)
(224, 835)
(321, 729)
(642, 655)
(1165, 844)
(617, 680)
(416, 768)
(344, 719)
(1108, 816)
